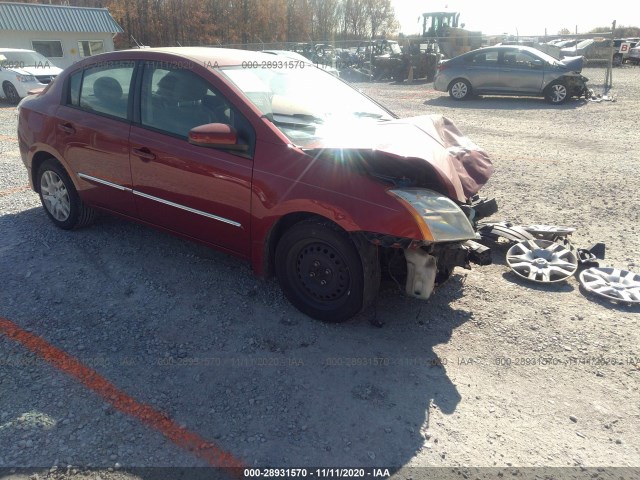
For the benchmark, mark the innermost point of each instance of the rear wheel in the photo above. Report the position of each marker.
(60, 198)
(320, 271)
(460, 89)
(11, 93)
(556, 93)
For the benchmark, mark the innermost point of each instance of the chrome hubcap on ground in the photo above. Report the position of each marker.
(55, 196)
(558, 93)
(459, 90)
(542, 261)
(612, 283)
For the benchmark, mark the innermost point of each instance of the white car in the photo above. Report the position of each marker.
(22, 71)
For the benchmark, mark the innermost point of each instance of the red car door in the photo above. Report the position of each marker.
(197, 191)
(92, 134)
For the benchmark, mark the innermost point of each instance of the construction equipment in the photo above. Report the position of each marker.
(441, 38)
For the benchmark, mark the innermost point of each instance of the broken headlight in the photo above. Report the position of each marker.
(439, 218)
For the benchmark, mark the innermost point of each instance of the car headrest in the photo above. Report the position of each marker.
(182, 86)
(107, 89)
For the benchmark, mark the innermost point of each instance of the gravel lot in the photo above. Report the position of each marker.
(192, 333)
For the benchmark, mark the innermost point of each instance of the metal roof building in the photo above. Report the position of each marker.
(56, 18)
(61, 33)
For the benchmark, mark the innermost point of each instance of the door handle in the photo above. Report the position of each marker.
(66, 128)
(144, 153)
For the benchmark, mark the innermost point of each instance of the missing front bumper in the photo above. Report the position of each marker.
(428, 268)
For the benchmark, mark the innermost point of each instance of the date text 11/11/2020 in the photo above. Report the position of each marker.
(349, 473)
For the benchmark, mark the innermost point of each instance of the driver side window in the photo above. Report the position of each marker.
(175, 100)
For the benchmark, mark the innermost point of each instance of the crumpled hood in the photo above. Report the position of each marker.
(413, 147)
(574, 64)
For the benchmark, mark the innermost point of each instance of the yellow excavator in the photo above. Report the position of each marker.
(442, 37)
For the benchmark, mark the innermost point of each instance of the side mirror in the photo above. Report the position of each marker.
(216, 135)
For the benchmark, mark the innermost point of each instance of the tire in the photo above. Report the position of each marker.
(460, 89)
(60, 198)
(11, 93)
(556, 93)
(320, 271)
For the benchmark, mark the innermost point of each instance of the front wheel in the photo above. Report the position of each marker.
(60, 198)
(460, 89)
(11, 93)
(556, 93)
(320, 271)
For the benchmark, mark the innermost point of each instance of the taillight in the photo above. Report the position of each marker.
(442, 66)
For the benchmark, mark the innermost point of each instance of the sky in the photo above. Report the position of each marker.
(523, 17)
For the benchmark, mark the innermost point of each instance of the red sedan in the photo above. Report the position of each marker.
(269, 159)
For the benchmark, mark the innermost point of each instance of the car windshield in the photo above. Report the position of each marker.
(25, 59)
(305, 103)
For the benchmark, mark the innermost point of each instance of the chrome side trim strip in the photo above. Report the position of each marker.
(188, 209)
(104, 182)
(166, 202)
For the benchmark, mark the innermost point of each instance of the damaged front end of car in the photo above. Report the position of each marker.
(434, 173)
(570, 69)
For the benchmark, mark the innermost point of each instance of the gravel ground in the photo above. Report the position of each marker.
(194, 334)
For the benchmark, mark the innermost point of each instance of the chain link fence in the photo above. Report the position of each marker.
(599, 54)
(368, 59)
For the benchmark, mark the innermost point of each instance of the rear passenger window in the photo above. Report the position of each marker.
(484, 58)
(105, 89)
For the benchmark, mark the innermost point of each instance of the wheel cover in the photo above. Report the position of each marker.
(542, 261)
(612, 283)
(55, 196)
(548, 232)
(322, 272)
(558, 93)
(459, 90)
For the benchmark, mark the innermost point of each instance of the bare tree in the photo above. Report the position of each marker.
(381, 16)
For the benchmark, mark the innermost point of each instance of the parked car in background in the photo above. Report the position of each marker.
(593, 50)
(22, 71)
(566, 43)
(280, 164)
(621, 48)
(296, 56)
(511, 70)
(634, 55)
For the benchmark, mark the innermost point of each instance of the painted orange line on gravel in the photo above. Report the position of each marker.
(4, 193)
(211, 453)
(8, 137)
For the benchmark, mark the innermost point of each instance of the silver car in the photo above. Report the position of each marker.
(511, 70)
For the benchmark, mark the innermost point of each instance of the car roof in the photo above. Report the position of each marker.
(503, 47)
(221, 56)
(16, 50)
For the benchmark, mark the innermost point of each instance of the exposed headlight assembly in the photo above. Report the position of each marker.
(439, 218)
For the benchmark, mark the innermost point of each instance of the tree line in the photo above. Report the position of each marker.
(211, 22)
